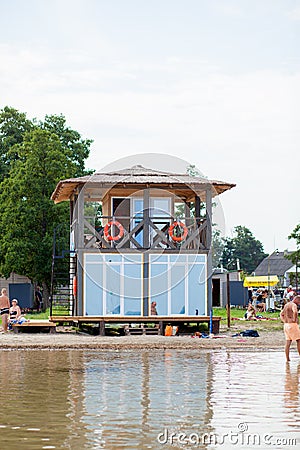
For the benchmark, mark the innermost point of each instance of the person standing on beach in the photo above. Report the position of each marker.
(289, 315)
(4, 309)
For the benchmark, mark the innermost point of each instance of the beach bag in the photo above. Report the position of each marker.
(249, 333)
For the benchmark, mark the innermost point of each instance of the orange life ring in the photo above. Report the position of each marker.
(107, 228)
(183, 235)
(75, 286)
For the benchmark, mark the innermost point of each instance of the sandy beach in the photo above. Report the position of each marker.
(69, 339)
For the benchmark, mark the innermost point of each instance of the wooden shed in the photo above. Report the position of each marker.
(140, 236)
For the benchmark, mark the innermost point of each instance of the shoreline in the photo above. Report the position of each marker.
(64, 340)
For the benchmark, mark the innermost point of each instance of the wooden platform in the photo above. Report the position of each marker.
(162, 321)
(34, 326)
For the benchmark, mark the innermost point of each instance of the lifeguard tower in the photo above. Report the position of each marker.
(150, 241)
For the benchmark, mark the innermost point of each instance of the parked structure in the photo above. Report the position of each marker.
(238, 294)
(151, 242)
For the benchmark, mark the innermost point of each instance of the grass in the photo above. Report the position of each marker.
(239, 313)
(260, 325)
(235, 313)
(35, 316)
(38, 315)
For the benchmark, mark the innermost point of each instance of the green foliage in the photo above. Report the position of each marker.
(217, 247)
(295, 256)
(245, 247)
(36, 157)
(75, 148)
(13, 126)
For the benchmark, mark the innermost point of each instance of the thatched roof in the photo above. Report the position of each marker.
(138, 177)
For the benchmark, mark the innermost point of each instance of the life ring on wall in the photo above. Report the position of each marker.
(183, 235)
(107, 229)
(75, 286)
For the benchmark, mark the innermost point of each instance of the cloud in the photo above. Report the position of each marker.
(294, 14)
(240, 127)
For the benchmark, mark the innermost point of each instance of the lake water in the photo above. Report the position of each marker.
(157, 399)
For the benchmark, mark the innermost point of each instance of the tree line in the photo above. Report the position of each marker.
(34, 156)
(242, 251)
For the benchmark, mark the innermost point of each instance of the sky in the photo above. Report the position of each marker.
(214, 83)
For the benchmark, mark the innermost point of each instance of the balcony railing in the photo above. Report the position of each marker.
(148, 232)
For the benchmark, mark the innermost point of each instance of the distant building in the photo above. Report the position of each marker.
(238, 294)
(276, 264)
(14, 278)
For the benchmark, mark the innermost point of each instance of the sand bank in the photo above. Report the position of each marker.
(272, 340)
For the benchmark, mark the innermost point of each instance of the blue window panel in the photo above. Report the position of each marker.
(196, 289)
(132, 290)
(113, 289)
(178, 289)
(131, 258)
(177, 258)
(159, 288)
(94, 290)
(158, 259)
(113, 258)
(197, 258)
(94, 258)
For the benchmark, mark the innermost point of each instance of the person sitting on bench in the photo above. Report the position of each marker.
(14, 311)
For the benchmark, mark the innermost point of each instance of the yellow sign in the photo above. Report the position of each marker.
(265, 280)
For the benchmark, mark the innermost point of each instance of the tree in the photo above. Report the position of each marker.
(295, 256)
(217, 247)
(243, 247)
(13, 126)
(28, 217)
(75, 148)
(295, 234)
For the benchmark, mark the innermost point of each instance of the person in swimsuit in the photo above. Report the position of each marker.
(4, 309)
(14, 311)
(289, 315)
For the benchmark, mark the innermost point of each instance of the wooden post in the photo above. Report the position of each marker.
(101, 328)
(197, 209)
(209, 246)
(161, 328)
(146, 245)
(228, 299)
(80, 250)
(146, 210)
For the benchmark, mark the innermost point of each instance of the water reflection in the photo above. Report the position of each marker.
(247, 399)
(41, 398)
(291, 393)
(136, 396)
(114, 400)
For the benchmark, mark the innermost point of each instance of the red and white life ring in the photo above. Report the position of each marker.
(183, 234)
(107, 230)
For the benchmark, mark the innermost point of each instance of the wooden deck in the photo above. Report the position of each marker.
(35, 325)
(162, 321)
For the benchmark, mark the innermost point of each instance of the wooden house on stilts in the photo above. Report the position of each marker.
(148, 241)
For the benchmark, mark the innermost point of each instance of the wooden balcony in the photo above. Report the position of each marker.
(148, 232)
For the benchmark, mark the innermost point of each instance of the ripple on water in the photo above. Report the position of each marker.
(112, 400)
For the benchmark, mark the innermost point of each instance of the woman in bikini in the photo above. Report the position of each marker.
(14, 311)
(4, 309)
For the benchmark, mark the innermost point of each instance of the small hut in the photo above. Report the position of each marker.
(149, 241)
